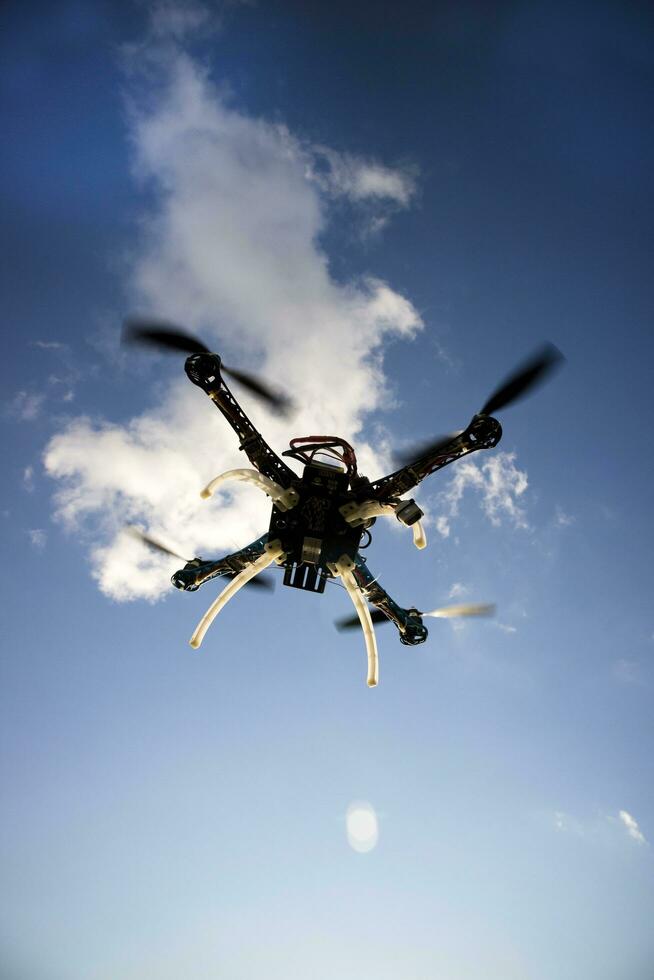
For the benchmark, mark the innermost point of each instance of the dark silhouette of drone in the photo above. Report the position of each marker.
(320, 518)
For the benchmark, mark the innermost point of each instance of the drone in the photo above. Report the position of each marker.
(321, 520)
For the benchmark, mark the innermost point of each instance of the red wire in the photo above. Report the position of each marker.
(313, 444)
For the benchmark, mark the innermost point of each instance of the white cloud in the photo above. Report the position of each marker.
(377, 191)
(632, 827)
(627, 671)
(506, 627)
(442, 526)
(458, 591)
(565, 823)
(58, 383)
(38, 538)
(499, 483)
(28, 478)
(48, 344)
(599, 828)
(230, 249)
(170, 19)
(561, 519)
(360, 180)
(26, 406)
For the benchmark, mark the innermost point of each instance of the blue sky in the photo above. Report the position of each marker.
(385, 210)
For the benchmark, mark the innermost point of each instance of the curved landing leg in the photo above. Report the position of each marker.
(344, 568)
(283, 498)
(272, 551)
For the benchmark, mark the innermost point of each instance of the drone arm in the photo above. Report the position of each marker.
(407, 621)
(195, 573)
(204, 371)
(273, 550)
(484, 432)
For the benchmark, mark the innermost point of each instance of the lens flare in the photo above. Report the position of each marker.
(362, 827)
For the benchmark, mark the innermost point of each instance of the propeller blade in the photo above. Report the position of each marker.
(278, 401)
(260, 581)
(408, 456)
(152, 543)
(466, 609)
(350, 622)
(164, 336)
(529, 375)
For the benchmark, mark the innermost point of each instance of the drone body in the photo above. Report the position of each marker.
(319, 519)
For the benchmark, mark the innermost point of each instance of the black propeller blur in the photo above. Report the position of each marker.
(261, 581)
(417, 451)
(152, 543)
(350, 622)
(524, 379)
(528, 376)
(164, 336)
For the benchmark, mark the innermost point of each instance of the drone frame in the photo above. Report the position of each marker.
(337, 503)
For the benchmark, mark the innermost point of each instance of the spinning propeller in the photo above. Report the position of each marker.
(446, 612)
(263, 582)
(164, 336)
(528, 376)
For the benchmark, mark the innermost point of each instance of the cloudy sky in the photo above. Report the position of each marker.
(382, 208)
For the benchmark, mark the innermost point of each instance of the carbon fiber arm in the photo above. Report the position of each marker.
(408, 622)
(195, 573)
(484, 432)
(204, 371)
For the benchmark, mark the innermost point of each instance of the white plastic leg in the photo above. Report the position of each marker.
(284, 499)
(272, 552)
(419, 536)
(343, 567)
(355, 513)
